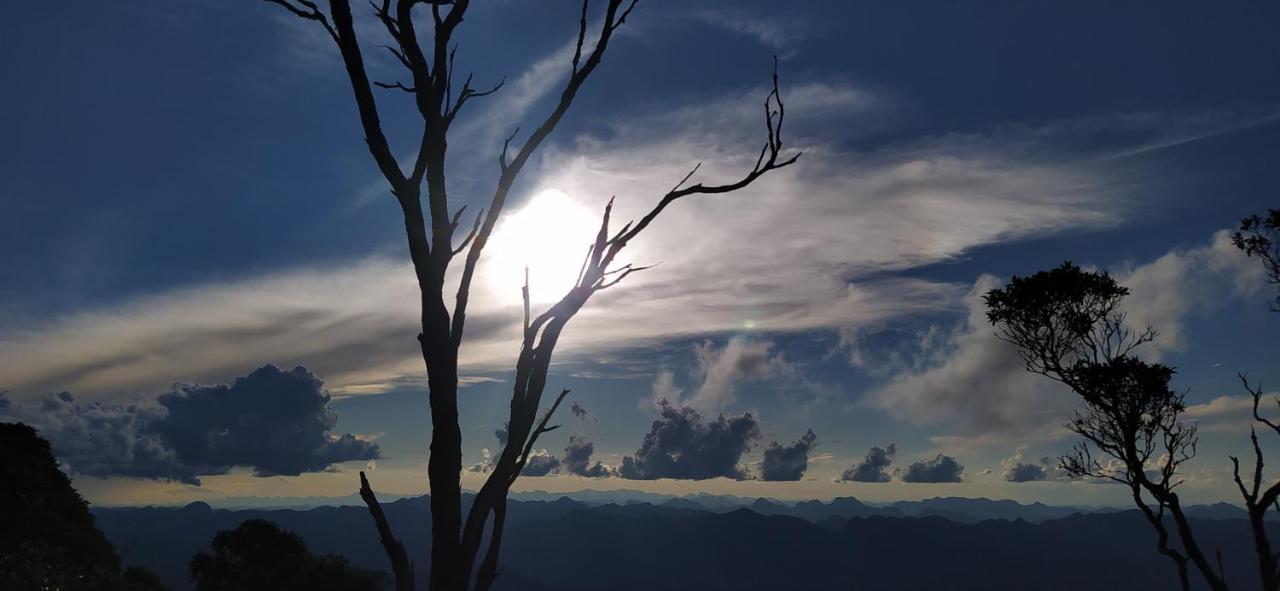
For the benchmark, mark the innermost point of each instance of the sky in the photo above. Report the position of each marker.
(205, 293)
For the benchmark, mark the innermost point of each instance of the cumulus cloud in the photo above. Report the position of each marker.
(540, 463)
(680, 444)
(103, 439)
(273, 421)
(577, 459)
(1014, 469)
(873, 467)
(940, 469)
(485, 465)
(788, 463)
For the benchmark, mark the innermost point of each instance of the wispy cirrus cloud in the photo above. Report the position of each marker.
(814, 246)
(775, 30)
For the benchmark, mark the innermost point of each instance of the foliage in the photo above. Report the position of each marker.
(1260, 236)
(258, 555)
(1068, 325)
(49, 540)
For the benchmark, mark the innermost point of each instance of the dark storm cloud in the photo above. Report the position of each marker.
(578, 411)
(873, 467)
(940, 469)
(577, 459)
(787, 463)
(680, 445)
(275, 422)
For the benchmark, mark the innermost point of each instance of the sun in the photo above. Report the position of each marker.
(549, 235)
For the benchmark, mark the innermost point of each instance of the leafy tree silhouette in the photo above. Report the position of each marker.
(1259, 236)
(1067, 325)
(49, 540)
(259, 556)
(429, 61)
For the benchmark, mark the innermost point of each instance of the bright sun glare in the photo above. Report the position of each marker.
(550, 236)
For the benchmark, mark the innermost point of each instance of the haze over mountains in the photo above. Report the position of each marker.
(635, 540)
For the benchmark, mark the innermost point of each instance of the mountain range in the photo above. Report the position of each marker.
(710, 542)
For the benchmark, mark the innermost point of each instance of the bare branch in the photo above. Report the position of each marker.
(625, 13)
(582, 37)
(502, 157)
(398, 55)
(307, 10)
(624, 270)
(541, 428)
(581, 72)
(400, 564)
(395, 85)
(1256, 393)
(470, 235)
(767, 161)
(469, 93)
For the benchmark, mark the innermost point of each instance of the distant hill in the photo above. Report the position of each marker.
(680, 544)
(959, 509)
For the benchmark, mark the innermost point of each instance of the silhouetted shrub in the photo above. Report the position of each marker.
(49, 540)
(258, 555)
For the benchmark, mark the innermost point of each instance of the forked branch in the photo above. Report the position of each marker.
(614, 16)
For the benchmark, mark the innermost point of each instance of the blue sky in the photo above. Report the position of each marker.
(186, 198)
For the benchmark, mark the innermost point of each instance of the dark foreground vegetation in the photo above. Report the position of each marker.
(47, 535)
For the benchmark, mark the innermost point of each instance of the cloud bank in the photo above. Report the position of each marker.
(273, 421)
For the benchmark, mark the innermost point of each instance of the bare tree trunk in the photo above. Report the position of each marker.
(1262, 545)
(1257, 500)
(444, 469)
(1191, 546)
(455, 543)
(1156, 519)
(489, 568)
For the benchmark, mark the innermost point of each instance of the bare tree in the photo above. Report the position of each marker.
(455, 542)
(1259, 500)
(1068, 326)
(1260, 236)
